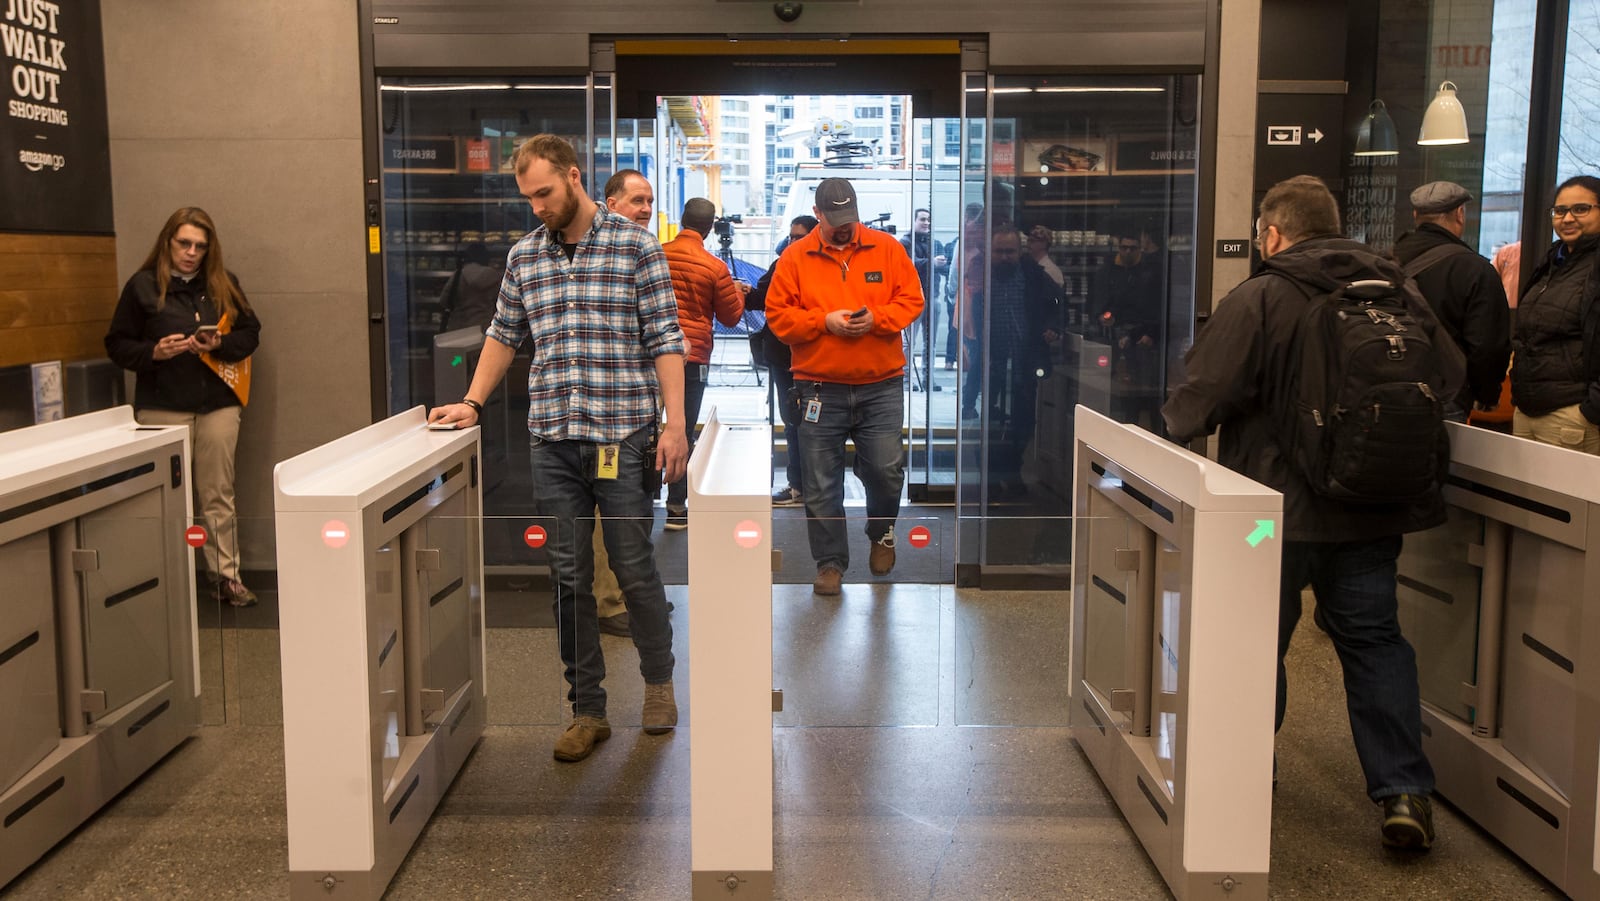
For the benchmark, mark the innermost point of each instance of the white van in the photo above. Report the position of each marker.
(895, 192)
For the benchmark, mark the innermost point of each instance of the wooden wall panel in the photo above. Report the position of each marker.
(56, 297)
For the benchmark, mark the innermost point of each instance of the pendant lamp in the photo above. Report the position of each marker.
(1445, 122)
(1377, 137)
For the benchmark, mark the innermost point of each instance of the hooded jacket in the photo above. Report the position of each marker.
(704, 290)
(812, 280)
(1239, 373)
(184, 383)
(1558, 334)
(1466, 294)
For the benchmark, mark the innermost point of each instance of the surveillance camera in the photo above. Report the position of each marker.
(788, 10)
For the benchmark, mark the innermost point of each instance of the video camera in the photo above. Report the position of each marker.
(881, 223)
(724, 224)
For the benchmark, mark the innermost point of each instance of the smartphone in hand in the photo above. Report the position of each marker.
(206, 331)
(859, 313)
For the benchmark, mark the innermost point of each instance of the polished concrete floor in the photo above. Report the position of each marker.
(923, 753)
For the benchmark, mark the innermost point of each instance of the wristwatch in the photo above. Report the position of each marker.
(477, 408)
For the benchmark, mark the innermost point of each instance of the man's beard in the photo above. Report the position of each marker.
(562, 216)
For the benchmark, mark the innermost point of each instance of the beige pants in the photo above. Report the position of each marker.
(1565, 427)
(214, 436)
(607, 593)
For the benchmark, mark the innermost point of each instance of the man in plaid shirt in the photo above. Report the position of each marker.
(593, 295)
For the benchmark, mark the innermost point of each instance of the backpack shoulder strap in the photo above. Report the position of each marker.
(1433, 256)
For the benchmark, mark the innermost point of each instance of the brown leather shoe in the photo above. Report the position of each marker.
(616, 625)
(660, 709)
(580, 738)
(234, 592)
(881, 558)
(827, 582)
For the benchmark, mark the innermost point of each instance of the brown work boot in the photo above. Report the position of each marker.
(660, 709)
(581, 737)
(827, 583)
(881, 558)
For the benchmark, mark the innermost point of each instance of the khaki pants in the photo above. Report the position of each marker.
(1565, 427)
(607, 593)
(214, 436)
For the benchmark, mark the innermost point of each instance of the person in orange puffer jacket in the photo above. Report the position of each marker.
(705, 290)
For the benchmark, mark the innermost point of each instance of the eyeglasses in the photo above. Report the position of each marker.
(1578, 211)
(187, 244)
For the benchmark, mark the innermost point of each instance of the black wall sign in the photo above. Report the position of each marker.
(55, 157)
(1233, 248)
(419, 155)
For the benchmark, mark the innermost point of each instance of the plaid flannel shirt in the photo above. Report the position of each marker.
(597, 324)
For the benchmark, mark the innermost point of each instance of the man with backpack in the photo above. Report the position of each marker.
(1463, 288)
(1325, 372)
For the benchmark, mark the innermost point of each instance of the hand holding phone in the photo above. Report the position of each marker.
(859, 313)
(206, 331)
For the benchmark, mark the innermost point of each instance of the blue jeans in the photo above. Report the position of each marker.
(566, 488)
(782, 381)
(694, 392)
(1354, 582)
(870, 416)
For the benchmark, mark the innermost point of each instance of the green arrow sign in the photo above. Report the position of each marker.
(1263, 531)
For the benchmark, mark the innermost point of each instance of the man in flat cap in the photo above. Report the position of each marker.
(1463, 288)
(839, 298)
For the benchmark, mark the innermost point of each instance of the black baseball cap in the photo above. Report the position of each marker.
(836, 202)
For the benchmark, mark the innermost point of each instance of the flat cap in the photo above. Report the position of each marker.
(1439, 197)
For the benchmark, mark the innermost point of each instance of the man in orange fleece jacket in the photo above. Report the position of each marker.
(840, 298)
(705, 291)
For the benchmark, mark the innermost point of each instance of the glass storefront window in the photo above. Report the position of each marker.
(1082, 291)
(1580, 96)
(451, 208)
(451, 212)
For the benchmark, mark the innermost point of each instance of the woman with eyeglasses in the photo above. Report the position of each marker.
(183, 326)
(1555, 373)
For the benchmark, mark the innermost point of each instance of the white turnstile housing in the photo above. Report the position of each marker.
(380, 577)
(99, 647)
(1174, 651)
(730, 661)
(1502, 604)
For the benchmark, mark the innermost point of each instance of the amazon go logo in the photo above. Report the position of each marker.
(35, 161)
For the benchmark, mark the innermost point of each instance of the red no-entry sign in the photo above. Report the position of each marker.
(194, 536)
(919, 536)
(335, 534)
(535, 536)
(747, 533)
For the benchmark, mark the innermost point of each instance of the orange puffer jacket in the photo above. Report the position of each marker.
(704, 289)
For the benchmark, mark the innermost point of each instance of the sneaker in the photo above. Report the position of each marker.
(581, 737)
(234, 592)
(1408, 822)
(827, 582)
(677, 520)
(788, 497)
(616, 625)
(881, 559)
(660, 709)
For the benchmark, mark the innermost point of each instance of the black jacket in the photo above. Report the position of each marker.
(1466, 294)
(1558, 356)
(1238, 373)
(184, 383)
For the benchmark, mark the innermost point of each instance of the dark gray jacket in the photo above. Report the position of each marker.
(1466, 294)
(1238, 375)
(1558, 334)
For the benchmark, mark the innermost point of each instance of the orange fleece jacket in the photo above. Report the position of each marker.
(704, 289)
(812, 280)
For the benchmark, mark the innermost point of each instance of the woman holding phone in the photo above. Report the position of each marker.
(183, 326)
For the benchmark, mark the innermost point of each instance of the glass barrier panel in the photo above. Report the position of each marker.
(1013, 634)
(249, 683)
(870, 655)
(522, 658)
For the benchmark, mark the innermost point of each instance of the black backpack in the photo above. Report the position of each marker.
(1367, 424)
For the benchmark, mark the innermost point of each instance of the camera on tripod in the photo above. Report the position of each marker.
(882, 223)
(723, 228)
